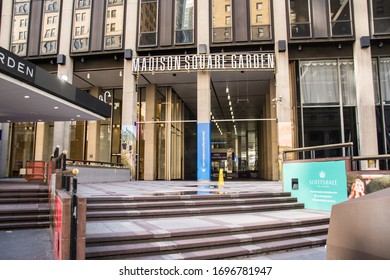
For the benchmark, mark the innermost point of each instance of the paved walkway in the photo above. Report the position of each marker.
(13, 244)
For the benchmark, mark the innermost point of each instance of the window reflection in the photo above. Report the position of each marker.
(148, 23)
(81, 26)
(114, 25)
(184, 27)
(340, 17)
(381, 16)
(260, 18)
(222, 23)
(20, 27)
(50, 26)
(300, 22)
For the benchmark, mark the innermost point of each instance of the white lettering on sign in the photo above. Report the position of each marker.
(18, 66)
(195, 62)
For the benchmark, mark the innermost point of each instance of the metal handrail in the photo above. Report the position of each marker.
(312, 149)
(92, 163)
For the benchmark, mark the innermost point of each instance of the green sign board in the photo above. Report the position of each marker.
(319, 185)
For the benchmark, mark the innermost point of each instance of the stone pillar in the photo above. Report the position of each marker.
(366, 118)
(39, 141)
(5, 31)
(4, 140)
(282, 86)
(93, 133)
(6, 24)
(150, 159)
(129, 102)
(203, 99)
(62, 129)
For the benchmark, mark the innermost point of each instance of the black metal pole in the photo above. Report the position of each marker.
(73, 225)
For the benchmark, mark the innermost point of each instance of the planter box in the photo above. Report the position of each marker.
(101, 174)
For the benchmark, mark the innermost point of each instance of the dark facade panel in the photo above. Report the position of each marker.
(35, 27)
(97, 26)
(241, 20)
(166, 15)
(320, 22)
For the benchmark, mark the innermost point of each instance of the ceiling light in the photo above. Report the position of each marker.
(39, 120)
(78, 116)
(228, 96)
(227, 89)
(27, 96)
(120, 73)
(88, 76)
(230, 103)
(55, 108)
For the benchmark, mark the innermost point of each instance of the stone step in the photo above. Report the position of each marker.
(26, 217)
(22, 209)
(186, 203)
(24, 200)
(24, 225)
(133, 214)
(189, 196)
(241, 251)
(23, 195)
(112, 238)
(187, 246)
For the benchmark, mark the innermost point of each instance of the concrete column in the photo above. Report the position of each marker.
(150, 159)
(273, 163)
(6, 24)
(93, 133)
(366, 118)
(62, 129)
(282, 85)
(4, 151)
(129, 102)
(203, 98)
(39, 141)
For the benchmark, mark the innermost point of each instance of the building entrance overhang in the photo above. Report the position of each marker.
(30, 94)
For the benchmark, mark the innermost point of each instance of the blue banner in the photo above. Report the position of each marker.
(319, 185)
(204, 152)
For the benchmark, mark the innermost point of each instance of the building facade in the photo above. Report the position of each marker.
(199, 85)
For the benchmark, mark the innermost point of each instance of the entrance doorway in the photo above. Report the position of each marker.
(243, 138)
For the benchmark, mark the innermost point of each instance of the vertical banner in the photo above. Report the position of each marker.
(319, 185)
(204, 152)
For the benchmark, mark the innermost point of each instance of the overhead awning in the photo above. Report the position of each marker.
(30, 94)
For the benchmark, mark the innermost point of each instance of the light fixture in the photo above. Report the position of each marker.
(227, 89)
(64, 77)
(88, 75)
(380, 44)
(339, 46)
(300, 48)
(228, 97)
(78, 116)
(55, 107)
(120, 73)
(27, 96)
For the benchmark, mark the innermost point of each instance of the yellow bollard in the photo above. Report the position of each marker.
(220, 178)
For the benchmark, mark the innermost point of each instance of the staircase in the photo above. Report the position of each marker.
(217, 242)
(23, 205)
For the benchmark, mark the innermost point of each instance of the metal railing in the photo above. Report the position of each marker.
(91, 163)
(312, 150)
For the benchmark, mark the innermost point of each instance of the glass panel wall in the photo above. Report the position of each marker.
(81, 25)
(340, 17)
(380, 10)
(50, 26)
(300, 20)
(260, 19)
(184, 24)
(23, 138)
(148, 23)
(222, 21)
(114, 25)
(116, 120)
(77, 140)
(20, 23)
(327, 109)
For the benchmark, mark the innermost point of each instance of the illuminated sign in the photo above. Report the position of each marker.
(201, 62)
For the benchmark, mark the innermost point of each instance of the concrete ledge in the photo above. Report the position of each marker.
(89, 175)
(359, 229)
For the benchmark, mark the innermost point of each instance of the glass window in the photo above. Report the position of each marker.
(50, 26)
(300, 21)
(184, 26)
(80, 39)
(340, 17)
(20, 27)
(260, 20)
(222, 24)
(324, 116)
(380, 16)
(114, 25)
(148, 23)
